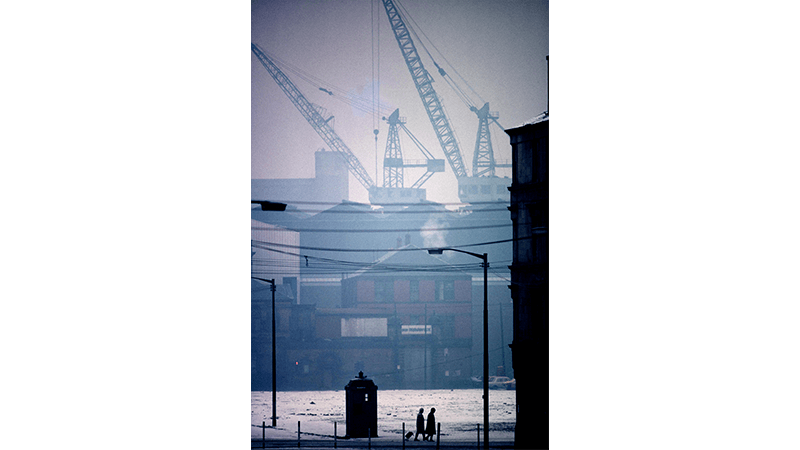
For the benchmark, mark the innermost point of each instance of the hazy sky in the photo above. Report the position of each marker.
(498, 46)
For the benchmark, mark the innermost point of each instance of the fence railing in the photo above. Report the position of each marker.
(317, 439)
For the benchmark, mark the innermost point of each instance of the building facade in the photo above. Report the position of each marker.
(329, 185)
(406, 330)
(529, 278)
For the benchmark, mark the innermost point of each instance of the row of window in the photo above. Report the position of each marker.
(378, 326)
(485, 189)
(445, 291)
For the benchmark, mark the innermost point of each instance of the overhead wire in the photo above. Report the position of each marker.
(373, 266)
(417, 204)
(384, 212)
(397, 230)
(320, 266)
(385, 250)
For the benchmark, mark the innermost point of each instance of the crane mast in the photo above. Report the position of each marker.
(315, 119)
(393, 157)
(483, 163)
(423, 82)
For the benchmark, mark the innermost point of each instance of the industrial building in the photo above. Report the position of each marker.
(371, 282)
(329, 185)
(407, 329)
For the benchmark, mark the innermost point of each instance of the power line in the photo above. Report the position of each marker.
(338, 264)
(398, 230)
(384, 212)
(369, 206)
(384, 250)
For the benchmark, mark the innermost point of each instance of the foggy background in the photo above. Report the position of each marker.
(498, 47)
(349, 49)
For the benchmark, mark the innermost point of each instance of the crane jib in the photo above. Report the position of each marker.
(314, 118)
(422, 81)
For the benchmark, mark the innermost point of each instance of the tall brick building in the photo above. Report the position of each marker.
(529, 278)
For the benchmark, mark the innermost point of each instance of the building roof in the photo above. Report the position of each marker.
(405, 261)
(260, 291)
(545, 116)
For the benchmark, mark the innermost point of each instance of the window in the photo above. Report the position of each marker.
(384, 291)
(413, 291)
(364, 327)
(445, 291)
(448, 327)
(541, 164)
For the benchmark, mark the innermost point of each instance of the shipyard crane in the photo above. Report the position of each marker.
(393, 162)
(482, 185)
(392, 192)
(483, 162)
(315, 119)
(423, 81)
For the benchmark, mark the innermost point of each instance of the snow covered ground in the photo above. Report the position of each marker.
(459, 411)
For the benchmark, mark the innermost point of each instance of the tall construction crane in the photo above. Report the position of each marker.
(392, 192)
(482, 185)
(312, 115)
(393, 162)
(423, 82)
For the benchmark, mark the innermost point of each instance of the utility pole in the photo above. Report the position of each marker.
(502, 336)
(272, 288)
(425, 349)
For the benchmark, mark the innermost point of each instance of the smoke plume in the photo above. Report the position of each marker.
(432, 235)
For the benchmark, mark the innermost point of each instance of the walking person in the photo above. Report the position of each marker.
(430, 429)
(420, 425)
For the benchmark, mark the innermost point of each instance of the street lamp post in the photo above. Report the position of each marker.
(272, 288)
(485, 264)
(271, 206)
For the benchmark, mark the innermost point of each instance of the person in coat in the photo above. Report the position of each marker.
(420, 425)
(430, 429)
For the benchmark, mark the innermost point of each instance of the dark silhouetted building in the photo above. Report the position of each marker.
(529, 278)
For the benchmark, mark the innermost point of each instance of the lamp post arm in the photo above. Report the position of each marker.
(272, 281)
(438, 251)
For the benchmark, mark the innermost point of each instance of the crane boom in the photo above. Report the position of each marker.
(314, 118)
(423, 82)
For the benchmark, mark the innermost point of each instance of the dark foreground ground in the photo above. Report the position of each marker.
(378, 443)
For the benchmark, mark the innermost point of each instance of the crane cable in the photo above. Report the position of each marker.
(460, 92)
(374, 111)
(360, 103)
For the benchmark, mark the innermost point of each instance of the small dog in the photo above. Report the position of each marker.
(409, 434)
